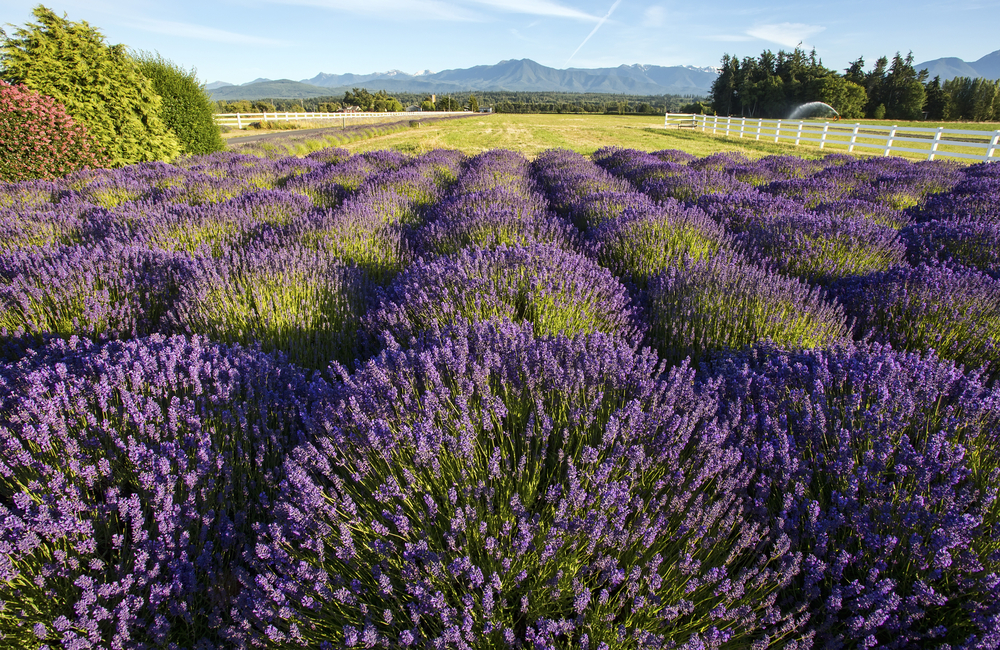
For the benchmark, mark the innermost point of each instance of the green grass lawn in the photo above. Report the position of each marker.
(533, 134)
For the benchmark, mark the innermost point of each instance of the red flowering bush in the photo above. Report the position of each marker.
(38, 139)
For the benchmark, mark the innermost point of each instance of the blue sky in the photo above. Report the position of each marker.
(241, 40)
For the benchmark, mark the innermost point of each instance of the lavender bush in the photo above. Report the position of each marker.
(641, 244)
(301, 301)
(132, 474)
(558, 292)
(108, 290)
(882, 469)
(974, 244)
(498, 490)
(821, 247)
(727, 303)
(954, 311)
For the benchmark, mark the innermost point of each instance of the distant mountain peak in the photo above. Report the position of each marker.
(515, 75)
(949, 67)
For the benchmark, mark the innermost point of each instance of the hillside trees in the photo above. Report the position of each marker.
(977, 100)
(773, 85)
(379, 102)
(101, 86)
(185, 107)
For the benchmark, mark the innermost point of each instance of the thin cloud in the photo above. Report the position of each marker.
(654, 16)
(594, 30)
(537, 8)
(729, 38)
(394, 9)
(787, 34)
(200, 32)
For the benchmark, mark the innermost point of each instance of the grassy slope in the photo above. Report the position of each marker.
(532, 134)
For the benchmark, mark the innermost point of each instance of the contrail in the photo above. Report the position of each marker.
(594, 31)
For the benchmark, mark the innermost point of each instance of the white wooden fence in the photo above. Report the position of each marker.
(239, 120)
(932, 142)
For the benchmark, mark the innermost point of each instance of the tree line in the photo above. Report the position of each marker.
(499, 101)
(773, 85)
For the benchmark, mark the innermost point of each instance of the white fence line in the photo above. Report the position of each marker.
(239, 120)
(852, 136)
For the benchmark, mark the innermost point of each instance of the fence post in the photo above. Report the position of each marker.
(937, 139)
(239, 121)
(729, 120)
(798, 134)
(743, 125)
(715, 124)
(993, 145)
(888, 144)
(822, 138)
(777, 132)
(760, 125)
(666, 119)
(854, 137)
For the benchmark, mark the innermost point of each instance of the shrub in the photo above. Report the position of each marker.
(108, 290)
(558, 292)
(492, 489)
(881, 467)
(821, 247)
(975, 244)
(302, 302)
(133, 474)
(725, 303)
(38, 139)
(185, 106)
(101, 86)
(499, 216)
(954, 311)
(642, 243)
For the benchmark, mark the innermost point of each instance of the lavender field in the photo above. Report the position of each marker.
(632, 400)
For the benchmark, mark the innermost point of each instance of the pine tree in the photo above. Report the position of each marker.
(101, 86)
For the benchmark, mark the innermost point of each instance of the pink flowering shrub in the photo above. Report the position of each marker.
(38, 139)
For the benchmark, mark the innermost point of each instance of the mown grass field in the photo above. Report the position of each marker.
(533, 134)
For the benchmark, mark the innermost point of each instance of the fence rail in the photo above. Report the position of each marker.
(933, 142)
(239, 120)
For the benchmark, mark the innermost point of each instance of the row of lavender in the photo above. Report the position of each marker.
(509, 468)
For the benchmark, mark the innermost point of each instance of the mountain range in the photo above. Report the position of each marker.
(525, 75)
(522, 75)
(951, 67)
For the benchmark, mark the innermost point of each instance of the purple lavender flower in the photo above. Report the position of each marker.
(726, 303)
(954, 311)
(880, 467)
(303, 302)
(107, 290)
(133, 474)
(823, 247)
(642, 243)
(477, 487)
(974, 244)
(558, 292)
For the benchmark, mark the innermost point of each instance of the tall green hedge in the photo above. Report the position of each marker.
(101, 86)
(186, 107)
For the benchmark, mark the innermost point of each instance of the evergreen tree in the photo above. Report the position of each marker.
(723, 91)
(185, 107)
(936, 103)
(904, 90)
(101, 86)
